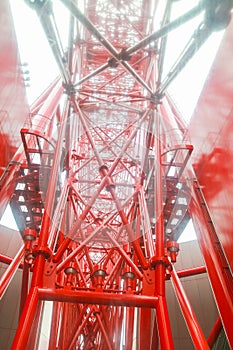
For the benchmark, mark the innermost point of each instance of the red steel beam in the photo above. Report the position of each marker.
(99, 298)
(191, 272)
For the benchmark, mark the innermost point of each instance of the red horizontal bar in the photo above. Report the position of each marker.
(99, 298)
(191, 272)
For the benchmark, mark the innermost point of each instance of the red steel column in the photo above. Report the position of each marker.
(165, 334)
(54, 326)
(24, 327)
(164, 328)
(98, 298)
(129, 328)
(24, 286)
(155, 336)
(145, 328)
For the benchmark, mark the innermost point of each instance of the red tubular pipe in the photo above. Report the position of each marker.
(105, 335)
(72, 339)
(80, 328)
(24, 327)
(24, 286)
(145, 328)
(54, 326)
(194, 328)
(64, 323)
(106, 316)
(10, 271)
(160, 270)
(36, 105)
(98, 298)
(5, 259)
(106, 175)
(77, 250)
(215, 333)
(155, 336)
(191, 272)
(119, 314)
(90, 336)
(130, 231)
(103, 183)
(165, 334)
(129, 328)
(125, 256)
(77, 225)
(35, 328)
(49, 201)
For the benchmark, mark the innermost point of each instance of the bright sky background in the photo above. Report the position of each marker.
(35, 50)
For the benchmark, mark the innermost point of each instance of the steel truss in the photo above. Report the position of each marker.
(100, 197)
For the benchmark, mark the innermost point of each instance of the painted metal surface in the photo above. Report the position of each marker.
(211, 134)
(216, 264)
(13, 103)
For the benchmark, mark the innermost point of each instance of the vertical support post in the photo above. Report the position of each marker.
(129, 328)
(160, 249)
(119, 313)
(24, 286)
(164, 328)
(54, 326)
(34, 335)
(165, 334)
(145, 328)
(24, 327)
(155, 336)
(105, 335)
(64, 323)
